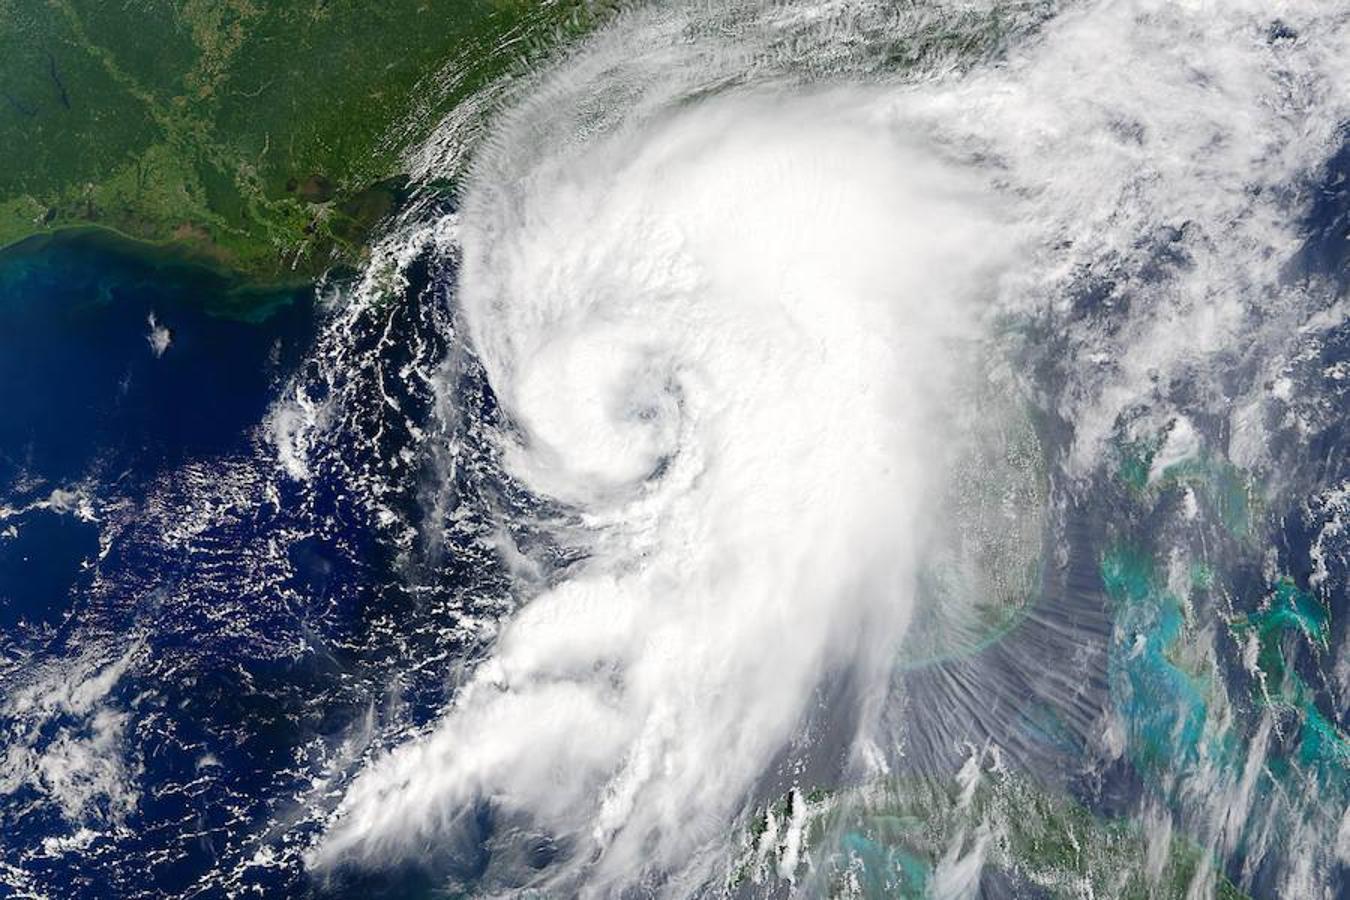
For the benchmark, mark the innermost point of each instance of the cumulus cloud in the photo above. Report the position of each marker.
(160, 337)
(65, 738)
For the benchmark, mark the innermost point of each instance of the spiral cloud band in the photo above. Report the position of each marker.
(726, 341)
(727, 313)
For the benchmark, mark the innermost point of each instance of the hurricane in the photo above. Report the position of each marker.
(723, 345)
(779, 449)
(732, 282)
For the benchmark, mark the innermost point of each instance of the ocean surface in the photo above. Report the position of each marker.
(196, 640)
(573, 546)
(88, 396)
(124, 375)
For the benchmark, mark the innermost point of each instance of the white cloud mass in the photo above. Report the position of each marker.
(726, 341)
(728, 314)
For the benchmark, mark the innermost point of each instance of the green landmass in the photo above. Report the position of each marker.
(905, 838)
(265, 136)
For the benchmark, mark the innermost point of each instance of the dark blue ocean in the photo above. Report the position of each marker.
(193, 644)
(86, 397)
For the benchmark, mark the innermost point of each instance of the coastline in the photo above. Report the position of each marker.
(231, 292)
(351, 219)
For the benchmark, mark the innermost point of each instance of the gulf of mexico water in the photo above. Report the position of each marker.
(197, 640)
(116, 365)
